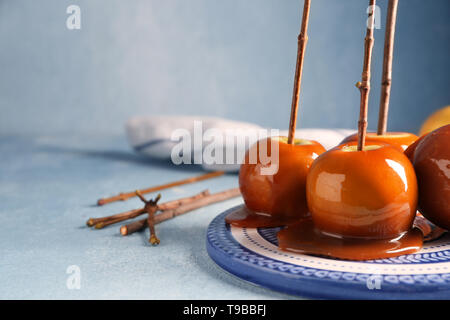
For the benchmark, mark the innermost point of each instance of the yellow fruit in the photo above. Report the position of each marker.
(436, 120)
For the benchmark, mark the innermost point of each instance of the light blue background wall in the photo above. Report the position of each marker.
(231, 58)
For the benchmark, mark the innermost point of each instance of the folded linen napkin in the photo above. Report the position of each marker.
(189, 138)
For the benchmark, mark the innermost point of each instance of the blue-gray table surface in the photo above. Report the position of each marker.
(48, 189)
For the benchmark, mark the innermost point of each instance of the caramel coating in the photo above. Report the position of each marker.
(409, 152)
(280, 196)
(432, 165)
(399, 139)
(366, 194)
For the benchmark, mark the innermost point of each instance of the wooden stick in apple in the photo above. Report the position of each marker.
(387, 66)
(302, 40)
(364, 85)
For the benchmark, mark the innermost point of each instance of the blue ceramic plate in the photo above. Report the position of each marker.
(253, 255)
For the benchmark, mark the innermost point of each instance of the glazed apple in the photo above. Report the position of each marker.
(409, 152)
(362, 205)
(432, 165)
(275, 198)
(366, 194)
(400, 139)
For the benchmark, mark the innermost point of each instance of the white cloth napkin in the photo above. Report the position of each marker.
(158, 136)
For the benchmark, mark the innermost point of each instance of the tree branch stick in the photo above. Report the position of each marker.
(179, 202)
(151, 225)
(364, 85)
(128, 195)
(213, 198)
(93, 221)
(133, 227)
(387, 66)
(174, 212)
(302, 41)
(163, 206)
(129, 215)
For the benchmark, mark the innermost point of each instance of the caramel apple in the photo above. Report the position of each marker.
(276, 198)
(370, 193)
(398, 139)
(432, 164)
(362, 205)
(409, 152)
(362, 198)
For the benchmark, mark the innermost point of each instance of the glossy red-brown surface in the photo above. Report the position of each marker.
(304, 237)
(362, 205)
(432, 165)
(429, 230)
(409, 152)
(400, 139)
(366, 194)
(279, 198)
(244, 217)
